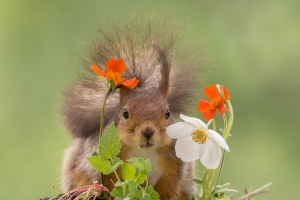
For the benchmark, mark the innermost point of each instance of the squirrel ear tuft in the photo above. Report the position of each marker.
(165, 71)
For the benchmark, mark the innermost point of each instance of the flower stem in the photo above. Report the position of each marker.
(102, 126)
(223, 154)
(220, 168)
(230, 121)
(212, 184)
(216, 173)
(204, 181)
(227, 129)
(102, 113)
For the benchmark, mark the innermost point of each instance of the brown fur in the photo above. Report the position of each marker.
(168, 80)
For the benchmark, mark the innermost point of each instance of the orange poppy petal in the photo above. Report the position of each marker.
(114, 65)
(203, 106)
(226, 93)
(211, 91)
(208, 115)
(131, 83)
(222, 110)
(97, 70)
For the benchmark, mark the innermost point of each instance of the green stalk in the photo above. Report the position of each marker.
(230, 121)
(217, 172)
(203, 197)
(102, 126)
(212, 183)
(220, 168)
(102, 113)
(223, 153)
(211, 174)
(118, 178)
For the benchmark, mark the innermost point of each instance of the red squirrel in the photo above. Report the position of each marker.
(169, 79)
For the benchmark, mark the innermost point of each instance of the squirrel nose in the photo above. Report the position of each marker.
(148, 132)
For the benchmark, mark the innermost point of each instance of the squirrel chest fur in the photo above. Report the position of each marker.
(168, 80)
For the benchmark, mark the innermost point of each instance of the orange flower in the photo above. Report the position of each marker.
(114, 70)
(216, 102)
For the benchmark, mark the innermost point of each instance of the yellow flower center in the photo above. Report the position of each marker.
(216, 102)
(199, 136)
(115, 77)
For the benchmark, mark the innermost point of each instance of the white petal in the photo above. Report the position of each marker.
(193, 120)
(187, 149)
(211, 154)
(180, 130)
(218, 139)
(201, 150)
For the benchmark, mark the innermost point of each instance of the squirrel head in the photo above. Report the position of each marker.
(144, 113)
(143, 119)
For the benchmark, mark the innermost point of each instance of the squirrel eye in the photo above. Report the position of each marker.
(125, 114)
(167, 114)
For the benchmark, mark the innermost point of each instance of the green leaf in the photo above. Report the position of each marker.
(128, 171)
(100, 163)
(141, 163)
(115, 164)
(153, 194)
(118, 183)
(131, 185)
(197, 181)
(148, 165)
(137, 162)
(117, 192)
(140, 176)
(110, 144)
(119, 198)
(134, 192)
(146, 197)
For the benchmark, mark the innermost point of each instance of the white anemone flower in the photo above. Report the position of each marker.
(196, 141)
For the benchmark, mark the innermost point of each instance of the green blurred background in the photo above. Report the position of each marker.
(256, 50)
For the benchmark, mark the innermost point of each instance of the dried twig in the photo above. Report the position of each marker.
(260, 190)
